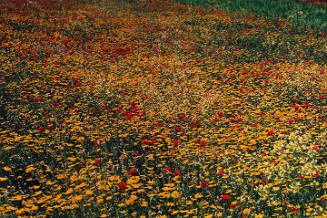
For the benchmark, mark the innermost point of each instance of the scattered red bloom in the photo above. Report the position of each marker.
(178, 129)
(271, 132)
(232, 205)
(221, 173)
(96, 143)
(132, 171)
(263, 180)
(295, 210)
(176, 173)
(167, 170)
(203, 143)
(41, 129)
(225, 197)
(203, 184)
(122, 185)
(97, 161)
(94, 111)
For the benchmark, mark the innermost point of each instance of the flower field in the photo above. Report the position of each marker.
(159, 109)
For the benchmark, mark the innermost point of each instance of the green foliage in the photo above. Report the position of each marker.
(298, 13)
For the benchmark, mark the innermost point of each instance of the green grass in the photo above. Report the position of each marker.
(298, 13)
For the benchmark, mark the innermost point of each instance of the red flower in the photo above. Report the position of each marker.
(263, 180)
(221, 173)
(178, 129)
(167, 170)
(122, 185)
(132, 171)
(145, 141)
(176, 142)
(271, 132)
(203, 143)
(94, 111)
(176, 173)
(317, 175)
(232, 205)
(159, 124)
(203, 184)
(225, 197)
(97, 161)
(295, 210)
(41, 129)
(96, 143)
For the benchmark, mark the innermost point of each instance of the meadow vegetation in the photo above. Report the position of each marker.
(116, 109)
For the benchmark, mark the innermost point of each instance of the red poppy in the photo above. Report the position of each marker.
(97, 161)
(291, 120)
(176, 173)
(203, 143)
(96, 143)
(167, 170)
(94, 111)
(295, 210)
(232, 205)
(132, 171)
(203, 184)
(271, 132)
(225, 197)
(176, 142)
(263, 180)
(221, 173)
(41, 129)
(122, 185)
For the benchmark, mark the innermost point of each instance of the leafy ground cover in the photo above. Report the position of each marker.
(305, 13)
(116, 109)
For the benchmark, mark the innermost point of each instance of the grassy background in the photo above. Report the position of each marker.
(298, 13)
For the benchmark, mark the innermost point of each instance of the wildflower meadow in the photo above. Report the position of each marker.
(159, 109)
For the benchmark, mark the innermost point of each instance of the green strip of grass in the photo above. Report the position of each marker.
(298, 13)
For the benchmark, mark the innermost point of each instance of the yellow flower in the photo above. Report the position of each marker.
(8, 169)
(77, 198)
(246, 211)
(69, 191)
(104, 215)
(133, 180)
(30, 168)
(89, 192)
(2, 179)
(258, 216)
(175, 194)
(144, 204)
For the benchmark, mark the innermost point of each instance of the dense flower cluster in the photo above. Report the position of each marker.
(156, 109)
